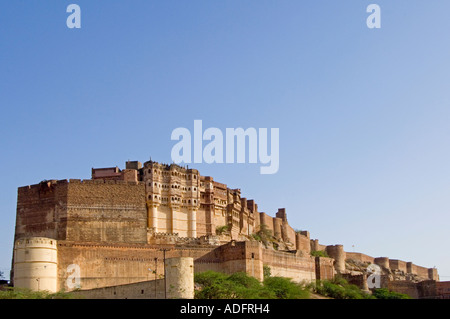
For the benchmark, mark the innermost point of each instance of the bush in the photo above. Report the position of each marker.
(264, 235)
(220, 230)
(266, 271)
(339, 288)
(285, 288)
(319, 253)
(21, 293)
(216, 285)
(383, 293)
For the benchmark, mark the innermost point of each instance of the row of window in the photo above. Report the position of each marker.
(172, 186)
(163, 173)
(174, 199)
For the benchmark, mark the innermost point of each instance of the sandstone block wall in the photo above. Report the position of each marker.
(89, 210)
(359, 257)
(289, 234)
(106, 211)
(266, 220)
(397, 264)
(111, 264)
(422, 290)
(42, 210)
(316, 246)
(153, 289)
(324, 268)
(303, 243)
(286, 264)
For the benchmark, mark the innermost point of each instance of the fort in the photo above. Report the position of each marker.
(124, 230)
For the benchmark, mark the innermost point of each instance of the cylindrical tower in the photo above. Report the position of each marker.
(382, 261)
(302, 242)
(338, 254)
(409, 267)
(315, 245)
(180, 278)
(35, 264)
(277, 228)
(433, 274)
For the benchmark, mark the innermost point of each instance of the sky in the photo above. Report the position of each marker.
(363, 114)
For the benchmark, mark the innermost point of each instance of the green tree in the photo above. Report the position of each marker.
(339, 288)
(214, 285)
(285, 288)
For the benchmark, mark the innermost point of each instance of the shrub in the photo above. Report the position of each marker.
(266, 271)
(383, 293)
(21, 293)
(285, 288)
(216, 285)
(319, 253)
(264, 235)
(220, 230)
(339, 288)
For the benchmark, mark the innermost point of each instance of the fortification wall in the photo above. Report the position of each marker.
(153, 289)
(443, 289)
(89, 210)
(286, 264)
(427, 289)
(395, 264)
(266, 220)
(360, 257)
(404, 287)
(106, 211)
(179, 284)
(421, 271)
(324, 268)
(111, 264)
(41, 210)
(288, 233)
(303, 243)
(316, 246)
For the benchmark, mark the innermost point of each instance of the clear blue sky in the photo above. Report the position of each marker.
(363, 114)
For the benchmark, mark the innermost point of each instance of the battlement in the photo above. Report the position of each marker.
(35, 242)
(175, 239)
(47, 184)
(395, 265)
(104, 181)
(169, 167)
